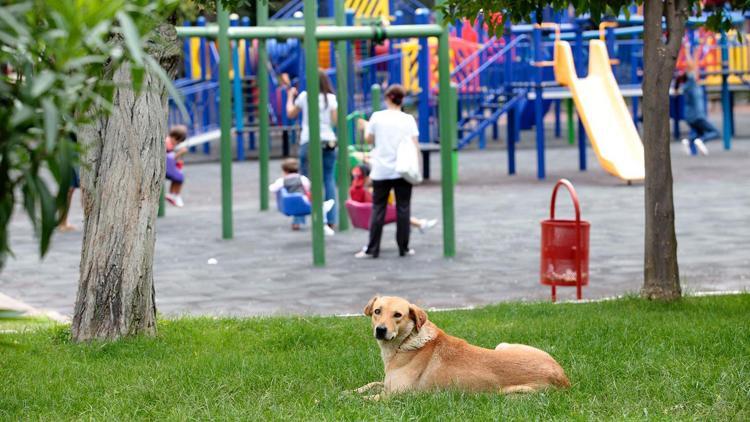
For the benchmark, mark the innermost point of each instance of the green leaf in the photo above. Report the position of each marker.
(21, 115)
(84, 61)
(29, 199)
(13, 23)
(173, 92)
(132, 38)
(49, 216)
(51, 123)
(42, 82)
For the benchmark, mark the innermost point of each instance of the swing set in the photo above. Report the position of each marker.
(311, 34)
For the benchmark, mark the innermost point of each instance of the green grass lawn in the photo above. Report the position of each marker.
(627, 359)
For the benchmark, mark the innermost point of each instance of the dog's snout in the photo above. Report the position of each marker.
(380, 332)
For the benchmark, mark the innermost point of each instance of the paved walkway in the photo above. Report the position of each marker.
(266, 268)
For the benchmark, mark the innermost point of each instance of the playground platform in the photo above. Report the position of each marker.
(266, 269)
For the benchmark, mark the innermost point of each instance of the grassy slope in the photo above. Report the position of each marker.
(626, 359)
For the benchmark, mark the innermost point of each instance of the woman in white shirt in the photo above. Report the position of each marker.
(296, 104)
(386, 129)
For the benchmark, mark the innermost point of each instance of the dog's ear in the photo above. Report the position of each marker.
(368, 307)
(417, 315)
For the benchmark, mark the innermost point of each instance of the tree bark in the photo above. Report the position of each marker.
(123, 167)
(661, 272)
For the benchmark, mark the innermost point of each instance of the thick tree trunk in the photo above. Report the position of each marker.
(661, 273)
(122, 174)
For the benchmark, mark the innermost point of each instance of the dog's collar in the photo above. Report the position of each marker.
(417, 339)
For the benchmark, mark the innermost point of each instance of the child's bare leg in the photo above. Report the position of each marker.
(175, 188)
(64, 226)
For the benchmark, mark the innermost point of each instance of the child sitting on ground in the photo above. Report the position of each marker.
(360, 191)
(297, 183)
(695, 111)
(177, 135)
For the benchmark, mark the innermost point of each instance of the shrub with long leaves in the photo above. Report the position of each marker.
(57, 58)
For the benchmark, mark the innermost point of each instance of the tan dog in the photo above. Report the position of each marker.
(419, 356)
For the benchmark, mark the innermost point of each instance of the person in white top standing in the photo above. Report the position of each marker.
(296, 104)
(386, 129)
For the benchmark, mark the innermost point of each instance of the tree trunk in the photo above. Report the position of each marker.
(123, 167)
(661, 273)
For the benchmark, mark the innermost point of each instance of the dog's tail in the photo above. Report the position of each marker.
(558, 377)
(562, 381)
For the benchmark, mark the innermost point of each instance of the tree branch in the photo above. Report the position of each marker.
(676, 14)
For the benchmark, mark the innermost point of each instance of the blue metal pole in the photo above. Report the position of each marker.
(725, 105)
(511, 116)
(538, 103)
(674, 105)
(237, 88)
(578, 59)
(205, 64)
(635, 80)
(350, 83)
(186, 55)
(249, 74)
(202, 72)
(581, 145)
(422, 16)
(394, 73)
(557, 119)
(331, 48)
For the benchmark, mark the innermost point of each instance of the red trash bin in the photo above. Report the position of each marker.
(565, 247)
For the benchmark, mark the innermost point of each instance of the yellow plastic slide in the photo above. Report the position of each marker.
(603, 112)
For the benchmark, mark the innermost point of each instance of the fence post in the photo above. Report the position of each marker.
(315, 151)
(263, 95)
(342, 74)
(225, 119)
(447, 128)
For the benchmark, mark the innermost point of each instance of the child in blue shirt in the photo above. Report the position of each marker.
(701, 130)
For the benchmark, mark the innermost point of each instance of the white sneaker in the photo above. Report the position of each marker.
(328, 205)
(409, 252)
(328, 231)
(178, 201)
(363, 254)
(686, 146)
(426, 224)
(701, 146)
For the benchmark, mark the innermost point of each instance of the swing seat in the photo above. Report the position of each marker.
(359, 213)
(292, 204)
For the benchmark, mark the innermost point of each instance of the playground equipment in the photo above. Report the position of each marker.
(565, 247)
(602, 109)
(311, 35)
(292, 204)
(494, 76)
(360, 213)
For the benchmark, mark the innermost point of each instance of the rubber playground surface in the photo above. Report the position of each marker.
(267, 269)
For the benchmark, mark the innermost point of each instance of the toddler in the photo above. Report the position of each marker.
(297, 183)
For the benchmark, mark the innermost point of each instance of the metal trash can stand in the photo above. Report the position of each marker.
(565, 247)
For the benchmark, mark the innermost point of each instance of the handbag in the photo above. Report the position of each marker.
(407, 161)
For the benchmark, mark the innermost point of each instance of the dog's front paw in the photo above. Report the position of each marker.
(377, 385)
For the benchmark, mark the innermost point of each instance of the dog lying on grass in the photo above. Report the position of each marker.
(419, 356)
